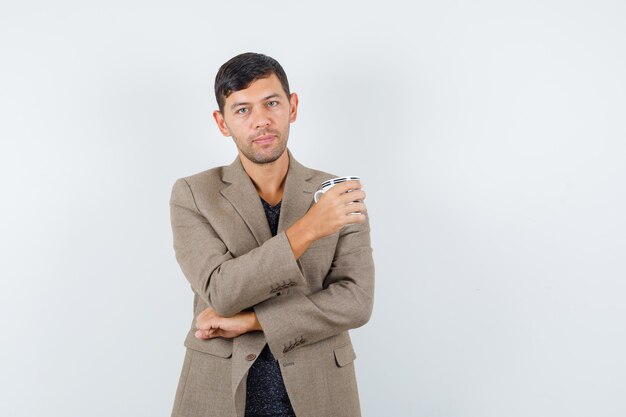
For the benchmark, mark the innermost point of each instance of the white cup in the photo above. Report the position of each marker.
(327, 185)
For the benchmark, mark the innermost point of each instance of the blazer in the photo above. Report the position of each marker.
(226, 251)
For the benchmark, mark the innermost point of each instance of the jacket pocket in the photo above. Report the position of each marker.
(217, 347)
(344, 354)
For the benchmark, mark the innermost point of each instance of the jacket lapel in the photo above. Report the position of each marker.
(298, 194)
(297, 197)
(243, 196)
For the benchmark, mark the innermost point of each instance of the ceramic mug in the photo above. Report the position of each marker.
(327, 185)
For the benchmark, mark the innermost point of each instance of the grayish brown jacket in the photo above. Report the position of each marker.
(225, 249)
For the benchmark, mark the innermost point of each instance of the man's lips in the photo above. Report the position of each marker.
(264, 139)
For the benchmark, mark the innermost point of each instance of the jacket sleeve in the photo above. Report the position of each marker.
(228, 284)
(345, 302)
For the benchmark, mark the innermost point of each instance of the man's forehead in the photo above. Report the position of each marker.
(258, 90)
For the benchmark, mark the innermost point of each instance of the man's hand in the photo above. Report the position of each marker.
(332, 211)
(339, 206)
(210, 324)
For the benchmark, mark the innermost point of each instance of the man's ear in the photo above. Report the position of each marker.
(221, 123)
(293, 107)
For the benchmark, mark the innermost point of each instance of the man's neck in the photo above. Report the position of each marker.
(268, 179)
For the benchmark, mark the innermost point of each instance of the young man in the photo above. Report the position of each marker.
(278, 280)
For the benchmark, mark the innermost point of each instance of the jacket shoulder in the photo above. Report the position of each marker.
(318, 177)
(212, 176)
(203, 185)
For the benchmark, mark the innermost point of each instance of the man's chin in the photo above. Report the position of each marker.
(261, 159)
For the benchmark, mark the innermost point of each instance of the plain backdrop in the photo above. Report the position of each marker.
(490, 137)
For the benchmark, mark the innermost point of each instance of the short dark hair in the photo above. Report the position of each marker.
(240, 71)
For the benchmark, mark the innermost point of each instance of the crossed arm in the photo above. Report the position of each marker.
(344, 303)
(240, 290)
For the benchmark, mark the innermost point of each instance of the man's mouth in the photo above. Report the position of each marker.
(264, 139)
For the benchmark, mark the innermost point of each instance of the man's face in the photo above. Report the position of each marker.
(258, 119)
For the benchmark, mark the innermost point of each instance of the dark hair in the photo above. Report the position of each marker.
(240, 71)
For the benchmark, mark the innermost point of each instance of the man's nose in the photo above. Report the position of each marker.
(261, 119)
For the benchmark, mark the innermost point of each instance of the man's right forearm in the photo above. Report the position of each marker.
(227, 283)
(231, 284)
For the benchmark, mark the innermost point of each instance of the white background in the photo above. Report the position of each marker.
(491, 141)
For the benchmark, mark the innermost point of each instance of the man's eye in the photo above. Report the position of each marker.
(242, 110)
(272, 103)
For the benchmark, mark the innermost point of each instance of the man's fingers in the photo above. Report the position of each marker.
(204, 324)
(355, 208)
(207, 324)
(355, 218)
(342, 187)
(208, 333)
(206, 315)
(356, 195)
(202, 334)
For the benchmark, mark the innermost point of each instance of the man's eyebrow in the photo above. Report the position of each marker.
(246, 103)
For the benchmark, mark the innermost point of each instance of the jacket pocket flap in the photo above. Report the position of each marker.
(344, 354)
(218, 347)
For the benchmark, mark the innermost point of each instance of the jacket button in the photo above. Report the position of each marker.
(250, 357)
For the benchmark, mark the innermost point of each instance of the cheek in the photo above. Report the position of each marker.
(284, 116)
(235, 127)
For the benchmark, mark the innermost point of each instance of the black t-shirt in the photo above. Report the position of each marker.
(266, 394)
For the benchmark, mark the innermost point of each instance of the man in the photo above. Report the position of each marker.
(278, 280)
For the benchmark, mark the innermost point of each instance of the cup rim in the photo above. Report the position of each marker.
(338, 180)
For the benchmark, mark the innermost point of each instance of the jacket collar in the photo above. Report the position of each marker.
(297, 197)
